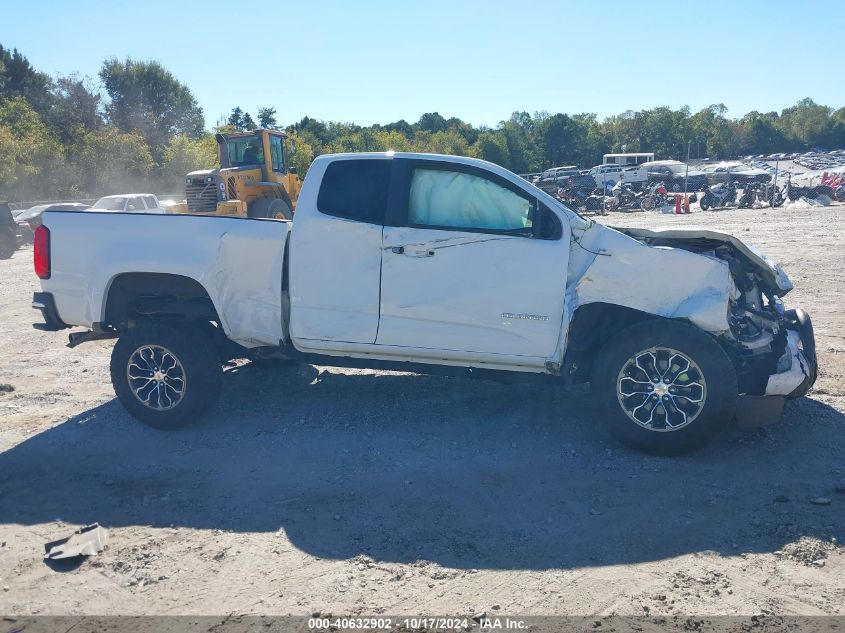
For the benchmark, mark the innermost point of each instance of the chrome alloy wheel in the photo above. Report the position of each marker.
(660, 389)
(156, 377)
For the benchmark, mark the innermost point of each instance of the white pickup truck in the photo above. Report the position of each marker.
(433, 263)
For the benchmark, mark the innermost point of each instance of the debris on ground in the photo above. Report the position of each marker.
(86, 541)
(810, 551)
(6, 388)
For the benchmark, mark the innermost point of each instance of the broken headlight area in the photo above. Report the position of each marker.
(757, 341)
(757, 349)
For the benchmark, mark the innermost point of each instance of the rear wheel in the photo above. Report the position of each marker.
(166, 373)
(706, 203)
(649, 203)
(664, 387)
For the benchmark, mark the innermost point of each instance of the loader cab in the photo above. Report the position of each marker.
(254, 167)
(260, 148)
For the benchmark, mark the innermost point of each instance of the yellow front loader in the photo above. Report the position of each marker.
(254, 179)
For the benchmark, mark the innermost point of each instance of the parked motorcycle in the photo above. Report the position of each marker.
(748, 197)
(625, 198)
(795, 192)
(723, 195)
(657, 197)
(771, 194)
(582, 198)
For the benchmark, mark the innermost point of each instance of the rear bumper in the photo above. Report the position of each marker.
(44, 302)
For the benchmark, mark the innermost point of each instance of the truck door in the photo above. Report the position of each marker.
(335, 253)
(471, 262)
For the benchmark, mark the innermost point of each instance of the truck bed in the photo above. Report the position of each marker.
(238, 261)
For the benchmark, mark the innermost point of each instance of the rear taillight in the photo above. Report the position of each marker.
(42, 252)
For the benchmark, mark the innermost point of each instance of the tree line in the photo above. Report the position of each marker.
(140, 128)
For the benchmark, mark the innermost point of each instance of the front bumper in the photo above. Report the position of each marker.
(799, 358)
(44, 302)
(799, 374)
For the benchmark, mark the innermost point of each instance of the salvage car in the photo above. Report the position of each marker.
(429, 263)
(675, 175)
(735, 172)
(13, 233)
(134, 202)
(552, 179)
(32, 215)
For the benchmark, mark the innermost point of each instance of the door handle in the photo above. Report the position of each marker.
(400, 250)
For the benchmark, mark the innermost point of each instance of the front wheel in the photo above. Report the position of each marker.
(166, 373)
(664, 387)
(706, 203)
(272, 208)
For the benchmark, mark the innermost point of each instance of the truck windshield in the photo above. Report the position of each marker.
(110, 204)
(245, 150)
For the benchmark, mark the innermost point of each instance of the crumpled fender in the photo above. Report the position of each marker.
(245, 284)
(610, 267)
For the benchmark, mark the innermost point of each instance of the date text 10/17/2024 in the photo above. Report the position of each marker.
(482, 623)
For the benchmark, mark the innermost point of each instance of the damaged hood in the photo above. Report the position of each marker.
(775, 279)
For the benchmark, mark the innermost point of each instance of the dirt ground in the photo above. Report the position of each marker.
(359, 492)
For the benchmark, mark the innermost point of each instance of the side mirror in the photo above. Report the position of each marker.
(130, 207)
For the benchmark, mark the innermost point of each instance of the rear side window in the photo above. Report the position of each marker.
(151, 202)
(356, 190)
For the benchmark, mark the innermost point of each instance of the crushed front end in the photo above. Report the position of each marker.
(773, 349)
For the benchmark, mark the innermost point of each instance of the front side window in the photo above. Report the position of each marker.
(151, 202)
(135, 204)
(460, 200)
(277, 153)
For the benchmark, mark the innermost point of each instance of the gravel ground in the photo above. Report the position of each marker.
(358, 492)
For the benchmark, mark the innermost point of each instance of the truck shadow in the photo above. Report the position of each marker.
(464, 473)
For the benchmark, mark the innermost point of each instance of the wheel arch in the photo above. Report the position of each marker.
(135, 295)
(591, 326)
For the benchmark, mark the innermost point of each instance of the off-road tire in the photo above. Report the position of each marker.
(718, 373)
(192, 345)
(274, 208)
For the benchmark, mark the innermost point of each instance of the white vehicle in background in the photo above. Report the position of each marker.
(129, 202)
(627, 160)
(606, 176)
(428, 263)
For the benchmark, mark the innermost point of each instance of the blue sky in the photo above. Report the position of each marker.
(369, 62)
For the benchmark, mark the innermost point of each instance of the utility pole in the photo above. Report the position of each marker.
(686, 175)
